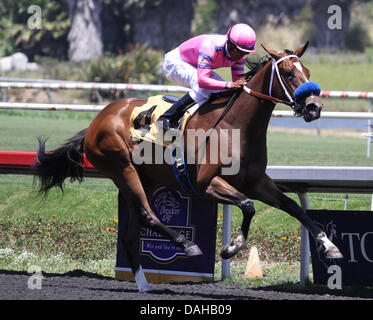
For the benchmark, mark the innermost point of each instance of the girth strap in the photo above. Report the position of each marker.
(180, 170)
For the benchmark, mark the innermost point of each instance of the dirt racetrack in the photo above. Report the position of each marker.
(79, 285)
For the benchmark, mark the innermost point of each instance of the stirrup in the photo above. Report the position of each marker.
(171, 118)
(167, 123)
(175, 130)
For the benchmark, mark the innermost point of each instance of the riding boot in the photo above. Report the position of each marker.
(169, 120)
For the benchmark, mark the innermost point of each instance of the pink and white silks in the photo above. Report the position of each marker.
(191, 64)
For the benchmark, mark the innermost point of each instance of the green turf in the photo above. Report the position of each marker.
(314, 150)
(19, 133)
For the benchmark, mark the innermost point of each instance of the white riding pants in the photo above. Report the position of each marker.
(184, 74)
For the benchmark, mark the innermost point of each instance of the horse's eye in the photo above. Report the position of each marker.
(289, 73)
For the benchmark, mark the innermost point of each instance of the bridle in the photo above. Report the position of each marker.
(275, 64)
(297, 108)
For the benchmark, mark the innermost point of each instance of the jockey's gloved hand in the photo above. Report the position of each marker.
(238, 83)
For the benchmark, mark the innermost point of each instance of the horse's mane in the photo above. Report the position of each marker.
(254, 66)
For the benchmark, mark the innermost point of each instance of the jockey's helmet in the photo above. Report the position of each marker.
(243, 37)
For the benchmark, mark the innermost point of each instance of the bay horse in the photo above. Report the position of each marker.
(108, 145)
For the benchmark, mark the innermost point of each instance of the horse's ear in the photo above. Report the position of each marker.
(274, 54)
(299, 52)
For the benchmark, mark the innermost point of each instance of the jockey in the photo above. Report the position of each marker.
(191, 64)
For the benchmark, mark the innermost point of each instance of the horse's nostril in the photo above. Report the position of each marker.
(307, 117)
(312, 112)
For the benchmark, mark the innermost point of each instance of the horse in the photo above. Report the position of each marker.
(108, 145)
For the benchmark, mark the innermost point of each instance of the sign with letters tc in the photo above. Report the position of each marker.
(352, 233)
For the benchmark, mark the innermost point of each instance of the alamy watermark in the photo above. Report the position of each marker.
(35, 20)
(35, 280)
(335, 19)
(335, 280)
(214, 147)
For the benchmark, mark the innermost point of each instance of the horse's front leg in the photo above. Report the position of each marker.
(267, 192)
(219, 190)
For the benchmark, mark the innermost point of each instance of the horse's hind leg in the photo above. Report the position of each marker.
(267, 192)
(131, 243)
(130, 184)
(219, 190)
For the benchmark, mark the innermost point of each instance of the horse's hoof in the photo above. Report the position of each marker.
(146, 288)
(226, 252)
(333, 253)
(193, 251)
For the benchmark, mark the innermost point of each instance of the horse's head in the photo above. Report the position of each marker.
(290, 81)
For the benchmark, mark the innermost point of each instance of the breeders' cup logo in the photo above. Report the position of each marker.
(173, 210)
(167, 206)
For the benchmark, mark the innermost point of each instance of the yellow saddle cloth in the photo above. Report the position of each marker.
(143, 120)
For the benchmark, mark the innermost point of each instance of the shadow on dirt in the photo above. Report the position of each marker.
(313, 289)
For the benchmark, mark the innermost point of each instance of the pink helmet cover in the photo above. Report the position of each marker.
(243, 37)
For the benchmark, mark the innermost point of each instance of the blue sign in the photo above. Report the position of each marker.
(173, 210)
(352, 233)
(191, 216)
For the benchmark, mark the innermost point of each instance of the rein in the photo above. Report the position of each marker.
(266, 97)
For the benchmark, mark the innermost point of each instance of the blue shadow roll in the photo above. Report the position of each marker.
(306, 89)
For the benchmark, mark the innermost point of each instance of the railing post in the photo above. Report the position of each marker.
(346, 202)
(50, 100)
(319, 127)
(227, 231)
(5, 97)
(369, 134)
(305, 243)
(98, 96)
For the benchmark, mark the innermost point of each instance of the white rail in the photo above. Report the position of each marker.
(50, 107)
(92, 86)
(329, 115)
(82, 107)
(347, 94)
(79, 85)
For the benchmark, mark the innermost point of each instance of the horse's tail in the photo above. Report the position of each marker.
(52, 168)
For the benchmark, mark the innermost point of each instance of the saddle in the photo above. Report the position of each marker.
(143, 128)
(143, 118)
